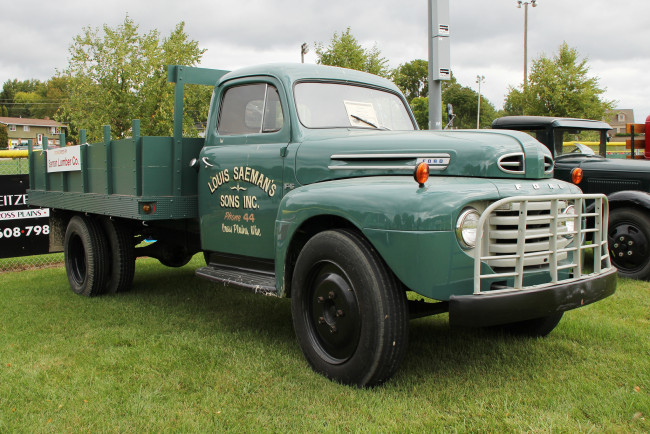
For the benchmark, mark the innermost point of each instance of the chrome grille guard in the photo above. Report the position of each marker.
(529, 233)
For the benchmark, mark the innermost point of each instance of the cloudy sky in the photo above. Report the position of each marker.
(486, 35)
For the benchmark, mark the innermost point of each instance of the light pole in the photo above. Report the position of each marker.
(439, 59)
(525, 3)
(479, 79)
(304, 49)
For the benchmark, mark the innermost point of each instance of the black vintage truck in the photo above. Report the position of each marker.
(626, 182)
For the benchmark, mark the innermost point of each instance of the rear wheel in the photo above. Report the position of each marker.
(628, 239)
(86, 256)
(122, 256)
(349, 312)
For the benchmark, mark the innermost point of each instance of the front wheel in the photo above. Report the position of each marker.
(537, 327)
(349, 312)
(628, 239)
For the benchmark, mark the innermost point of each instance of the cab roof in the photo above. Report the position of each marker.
(292, 72)
(542, 122)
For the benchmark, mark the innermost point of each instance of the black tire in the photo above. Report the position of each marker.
(122, 256)
(173, 256)
(629, 239)
(349, 311)
(538, 327)
(86, 256)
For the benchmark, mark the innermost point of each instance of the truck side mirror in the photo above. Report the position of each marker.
(450, 116)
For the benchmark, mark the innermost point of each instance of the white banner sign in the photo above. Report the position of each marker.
(64, 159)
(19, 214)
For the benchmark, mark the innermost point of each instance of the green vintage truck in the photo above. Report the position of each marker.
(313, 183)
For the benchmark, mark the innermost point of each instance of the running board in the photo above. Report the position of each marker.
(254, 281)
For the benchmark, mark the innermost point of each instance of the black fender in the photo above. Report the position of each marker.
(621, 199)
(626, 198)
(635, 198)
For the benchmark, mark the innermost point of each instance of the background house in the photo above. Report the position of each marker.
(617, 119)
(19, 130)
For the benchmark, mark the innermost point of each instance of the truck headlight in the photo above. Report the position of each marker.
(569, 221)
(466, 227)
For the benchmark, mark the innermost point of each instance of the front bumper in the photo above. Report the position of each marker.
(485, 309)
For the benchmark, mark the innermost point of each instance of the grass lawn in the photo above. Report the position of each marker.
(181, 354)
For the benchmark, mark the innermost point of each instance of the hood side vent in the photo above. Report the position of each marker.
(513, 163)
(548, 164)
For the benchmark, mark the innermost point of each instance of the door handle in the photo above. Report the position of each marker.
(206, 162)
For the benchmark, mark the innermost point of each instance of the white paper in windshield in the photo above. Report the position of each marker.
(361, 114)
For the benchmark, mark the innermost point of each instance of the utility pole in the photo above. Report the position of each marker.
(439, 63)
(525, 3)
(479, 79)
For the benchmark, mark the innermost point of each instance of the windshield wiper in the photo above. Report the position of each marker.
(367, 122)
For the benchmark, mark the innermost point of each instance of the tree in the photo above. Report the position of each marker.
(4, 137)
(121, 75)
(13, 87)
(51, 96)
(465, 103)
(345, 51)
(32, 98)
(412, 78)
(27, 100)
(559, 86)
(420, 108)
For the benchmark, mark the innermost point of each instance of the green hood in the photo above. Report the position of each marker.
(334, 154)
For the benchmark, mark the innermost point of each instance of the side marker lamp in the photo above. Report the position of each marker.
(421, 174)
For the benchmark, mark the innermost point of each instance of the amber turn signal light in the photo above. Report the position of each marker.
(421, 173)
(148, 208)
(576, 175)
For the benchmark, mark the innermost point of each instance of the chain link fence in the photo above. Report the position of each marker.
(14, 166)
(19, 166)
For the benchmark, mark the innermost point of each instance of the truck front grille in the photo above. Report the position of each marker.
(525, 234)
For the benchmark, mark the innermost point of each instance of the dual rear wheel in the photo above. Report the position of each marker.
(99, 256)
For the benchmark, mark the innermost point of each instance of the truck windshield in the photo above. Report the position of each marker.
(332, 105)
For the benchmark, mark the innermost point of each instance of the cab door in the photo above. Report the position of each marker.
(241, 166)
